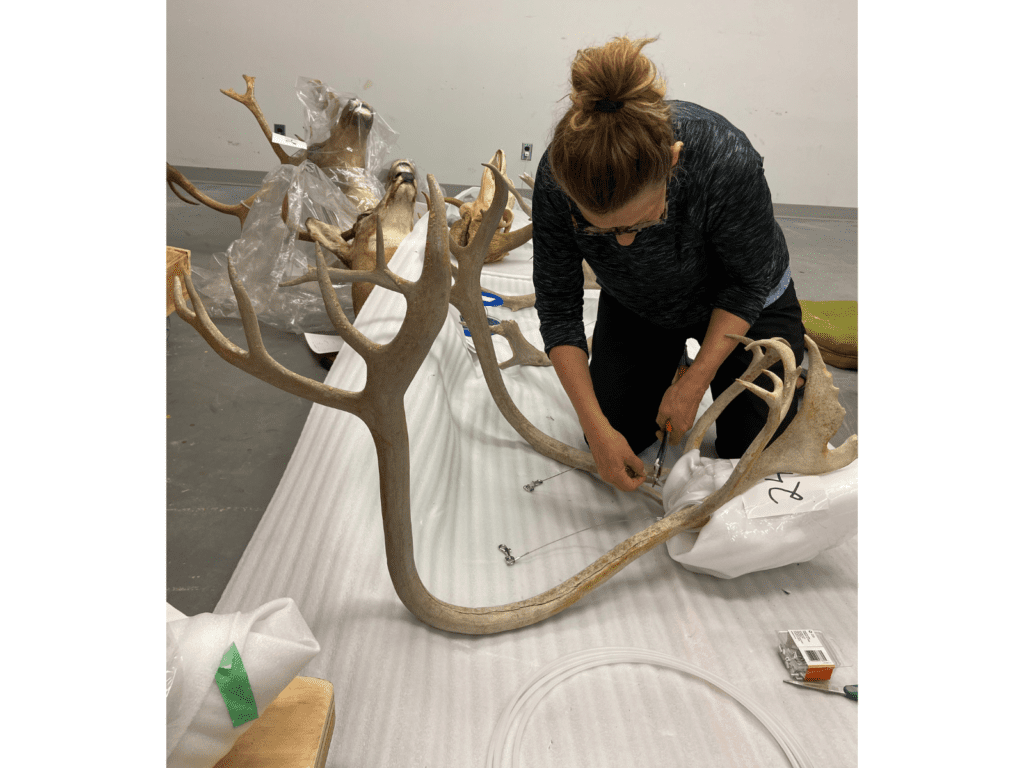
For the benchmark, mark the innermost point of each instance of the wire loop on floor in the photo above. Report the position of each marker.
(517, 713)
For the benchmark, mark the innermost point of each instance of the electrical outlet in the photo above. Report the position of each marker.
(278, 128)
(527, 151)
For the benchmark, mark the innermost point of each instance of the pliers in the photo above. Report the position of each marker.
(660, 461)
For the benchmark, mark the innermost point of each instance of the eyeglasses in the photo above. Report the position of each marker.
(631, 229)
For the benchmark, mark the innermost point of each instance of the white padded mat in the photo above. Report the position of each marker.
(410, 695)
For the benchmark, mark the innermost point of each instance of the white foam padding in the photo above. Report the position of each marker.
(408, 694)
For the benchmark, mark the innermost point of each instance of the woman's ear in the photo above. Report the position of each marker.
(676, 149)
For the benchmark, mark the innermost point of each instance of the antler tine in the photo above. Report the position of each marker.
(479, 246)
(249, 100)
(329, 236)
(177, 194)
(515, 193)
(250, 323)
(503, 242)
(523, 352)
(176, 178)
(396, 362)
(345, 329)
(199, 319)
(333, 239)
(803, 447)
(515, 303)
(759, 363)
(256, 360)
(465, 296)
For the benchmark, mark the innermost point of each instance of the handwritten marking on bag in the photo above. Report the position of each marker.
(778, 479)
(775, 495)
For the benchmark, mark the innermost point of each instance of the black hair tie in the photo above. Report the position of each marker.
(606, 105)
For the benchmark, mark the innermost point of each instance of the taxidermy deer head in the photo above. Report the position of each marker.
(342, 156)
(356, 248)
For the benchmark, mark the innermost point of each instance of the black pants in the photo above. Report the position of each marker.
(633, 363)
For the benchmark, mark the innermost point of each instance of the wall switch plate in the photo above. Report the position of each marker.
(527, 151)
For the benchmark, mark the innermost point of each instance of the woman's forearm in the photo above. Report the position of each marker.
(716, 347)
(615, 460)
(570, 362)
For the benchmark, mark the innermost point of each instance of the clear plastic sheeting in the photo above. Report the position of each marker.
(370, 138)
(784, 519)
(339, 127)
(269, 252)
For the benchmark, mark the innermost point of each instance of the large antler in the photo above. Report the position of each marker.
(249, 100)
(472, 212)
(465, 296)
(390, 370)
(176, 177)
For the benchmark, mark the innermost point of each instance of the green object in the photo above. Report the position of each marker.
(833, 326)
(234, 686)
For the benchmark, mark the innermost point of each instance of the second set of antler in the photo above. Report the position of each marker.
(390, 370)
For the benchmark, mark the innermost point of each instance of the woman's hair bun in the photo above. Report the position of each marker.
(614, 74)
(598, 158)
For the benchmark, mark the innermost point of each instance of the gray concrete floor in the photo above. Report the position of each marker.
(229, 435)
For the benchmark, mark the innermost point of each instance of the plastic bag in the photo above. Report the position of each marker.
(786, 518)
(324, 107)
(269, 251)
(175, 685)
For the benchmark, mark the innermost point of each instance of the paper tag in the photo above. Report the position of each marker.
(287, 141)
(324, 344)
(785, 493)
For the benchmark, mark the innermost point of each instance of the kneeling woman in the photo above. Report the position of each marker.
(668, 203)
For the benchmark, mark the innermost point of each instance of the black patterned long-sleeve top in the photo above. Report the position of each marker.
(720, 246)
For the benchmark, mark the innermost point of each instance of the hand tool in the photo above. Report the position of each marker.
(659, 462)
(849, 691)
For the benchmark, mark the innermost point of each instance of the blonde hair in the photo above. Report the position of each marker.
(615, 141)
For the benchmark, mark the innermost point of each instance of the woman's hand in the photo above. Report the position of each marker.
(616, 462)
(680, 404)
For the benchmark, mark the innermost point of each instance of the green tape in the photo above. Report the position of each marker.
(234, 687)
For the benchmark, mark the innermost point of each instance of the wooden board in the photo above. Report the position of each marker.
(293, 732)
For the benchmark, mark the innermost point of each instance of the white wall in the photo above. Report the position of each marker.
(459, 80)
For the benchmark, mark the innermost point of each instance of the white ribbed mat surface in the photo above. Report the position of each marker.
(410, 695)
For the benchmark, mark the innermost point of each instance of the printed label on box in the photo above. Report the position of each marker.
(811, 648)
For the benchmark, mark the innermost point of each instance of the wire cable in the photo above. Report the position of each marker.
(519, 710)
